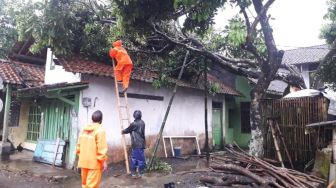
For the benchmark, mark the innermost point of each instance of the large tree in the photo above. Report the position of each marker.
(248, 48)
(158, 34)
(327, 67)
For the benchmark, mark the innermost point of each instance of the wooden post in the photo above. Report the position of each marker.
(334, 145)
(6, 114)
(277, 149)
(284, 144)
(206, 113)
(156, 146)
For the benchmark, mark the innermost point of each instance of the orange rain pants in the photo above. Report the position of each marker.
(91, 177)
(124, 66)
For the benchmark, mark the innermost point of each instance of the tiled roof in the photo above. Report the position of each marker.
(13, 72)
(223, 87)
(100, 69)
(79, 65)
(310, 54)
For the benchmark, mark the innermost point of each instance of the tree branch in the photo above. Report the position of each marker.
(213, 56)
(152, 52)
(324, 61)
(249, 40)
(266, 29)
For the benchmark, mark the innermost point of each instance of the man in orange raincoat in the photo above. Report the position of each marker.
(124, 66)
(91, 150)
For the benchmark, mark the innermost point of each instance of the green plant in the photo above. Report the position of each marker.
(214, 89)
(159, 166)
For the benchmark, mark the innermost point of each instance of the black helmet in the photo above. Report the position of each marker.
(137, 114)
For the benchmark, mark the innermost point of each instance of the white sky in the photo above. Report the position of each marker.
(296, 23)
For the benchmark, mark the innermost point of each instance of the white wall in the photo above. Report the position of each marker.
(56, 73)
(305, 74)
(186, 115)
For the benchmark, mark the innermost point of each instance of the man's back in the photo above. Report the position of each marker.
(92, 147)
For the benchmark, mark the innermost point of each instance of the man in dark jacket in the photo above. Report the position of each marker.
(137, 131)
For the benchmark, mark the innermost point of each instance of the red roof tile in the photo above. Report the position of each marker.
(223, 87)
(84, 66)
(101, 69)
(13, 72)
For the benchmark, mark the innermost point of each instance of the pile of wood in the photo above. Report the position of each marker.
(238, 169)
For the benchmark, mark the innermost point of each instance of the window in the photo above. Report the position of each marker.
(231, 117)
(34, 120)
(245, 117)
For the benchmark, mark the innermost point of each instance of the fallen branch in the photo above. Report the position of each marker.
(242, 171)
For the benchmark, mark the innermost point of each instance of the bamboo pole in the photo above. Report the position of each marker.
(284, 144)
(158, 138)
(271, 122)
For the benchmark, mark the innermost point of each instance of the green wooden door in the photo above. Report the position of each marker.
(217, 128)
(57, 124)
(56, 120)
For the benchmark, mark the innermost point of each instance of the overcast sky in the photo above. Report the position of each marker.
(296, 23)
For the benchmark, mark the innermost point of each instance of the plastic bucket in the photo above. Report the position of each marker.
(177, 151)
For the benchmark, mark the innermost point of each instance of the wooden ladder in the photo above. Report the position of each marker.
(58, 140)
(122, 119)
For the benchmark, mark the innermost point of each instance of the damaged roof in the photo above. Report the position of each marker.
(29, 75)
(305, 55)
(84, 66)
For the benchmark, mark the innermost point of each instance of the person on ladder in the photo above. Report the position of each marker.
(124, 65)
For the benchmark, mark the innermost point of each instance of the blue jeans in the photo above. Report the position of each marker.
(138, 159)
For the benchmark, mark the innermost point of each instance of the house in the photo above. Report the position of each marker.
(237, 127)
(15, 75)
(306, 59)
(59, 108)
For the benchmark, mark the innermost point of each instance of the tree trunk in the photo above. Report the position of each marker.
(257, 132)
(269, 68)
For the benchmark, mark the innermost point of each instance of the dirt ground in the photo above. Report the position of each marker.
(115, 176)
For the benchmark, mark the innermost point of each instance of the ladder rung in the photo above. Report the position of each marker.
(119, 82)
(122, 106)
(125, 119)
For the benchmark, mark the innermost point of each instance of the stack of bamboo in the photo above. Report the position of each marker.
(237, 168)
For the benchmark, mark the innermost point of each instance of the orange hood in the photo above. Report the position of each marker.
(117, 43)
(92, 127)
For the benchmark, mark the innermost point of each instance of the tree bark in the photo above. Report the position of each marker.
(269, 68)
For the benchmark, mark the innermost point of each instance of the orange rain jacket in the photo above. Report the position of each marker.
(124, 66)
(92, 147)
(120, 54)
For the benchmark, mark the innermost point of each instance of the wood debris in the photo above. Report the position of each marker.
(238, 169)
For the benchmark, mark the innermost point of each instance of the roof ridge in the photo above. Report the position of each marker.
(311, 47)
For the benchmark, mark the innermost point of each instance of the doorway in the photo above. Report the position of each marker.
(217, 124)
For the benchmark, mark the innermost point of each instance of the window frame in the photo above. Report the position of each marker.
(245, 124)
(34, 122)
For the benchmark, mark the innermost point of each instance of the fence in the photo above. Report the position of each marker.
(293, 115)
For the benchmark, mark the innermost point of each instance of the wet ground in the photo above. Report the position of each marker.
(21, 172)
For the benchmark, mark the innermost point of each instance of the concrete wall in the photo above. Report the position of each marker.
(18, 134)
(186, 116)
(56, 73)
